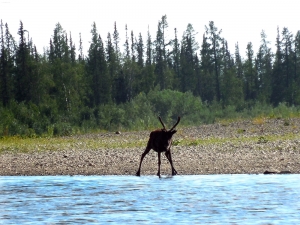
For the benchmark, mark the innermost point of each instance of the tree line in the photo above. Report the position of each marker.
(63, 88)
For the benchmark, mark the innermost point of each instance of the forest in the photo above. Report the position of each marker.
(125, 86)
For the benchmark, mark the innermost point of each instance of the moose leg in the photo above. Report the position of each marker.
(169, 157)
(159, 162)
(138, 173)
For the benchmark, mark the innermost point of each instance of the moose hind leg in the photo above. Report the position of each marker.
(159, 163)
(138, 173)
(169, 157)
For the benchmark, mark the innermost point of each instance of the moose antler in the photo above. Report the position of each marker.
(162, 123)
(178, 120)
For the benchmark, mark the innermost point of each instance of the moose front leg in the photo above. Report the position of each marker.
(138, 173)
(169, 157)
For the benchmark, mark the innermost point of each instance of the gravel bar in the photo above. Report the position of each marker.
(243, 147)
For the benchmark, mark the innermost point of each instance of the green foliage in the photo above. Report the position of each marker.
(171, 104)
(262, 140)
(59, 93)
(110, 117)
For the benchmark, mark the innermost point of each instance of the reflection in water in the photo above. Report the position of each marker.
(205, 199)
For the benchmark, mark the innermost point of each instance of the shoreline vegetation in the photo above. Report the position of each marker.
(254, 146)
(125, 85)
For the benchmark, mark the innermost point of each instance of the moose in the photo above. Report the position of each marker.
(160, 141)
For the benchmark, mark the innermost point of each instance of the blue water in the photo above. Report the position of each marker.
(203, 199)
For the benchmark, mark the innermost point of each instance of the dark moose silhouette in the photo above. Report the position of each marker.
(160, 141)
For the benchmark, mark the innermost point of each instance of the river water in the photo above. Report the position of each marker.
(197, 199)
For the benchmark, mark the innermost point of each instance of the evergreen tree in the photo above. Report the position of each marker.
(149, 49)
(133, 48)
(24, 81)
(140, 83)
(199, 75)
(278, 87)
(80, 56)
(148, 71)
(191, 34)
(51, 51)
(116, 40)
(140, 51)
(176, 61)
(126, 45)
(207, 85)
(59, 41)
(238, 62)
(288, 61)
(296, 83)
(264, 70)
(118, 85)
(66, 50)
(215, 44)
(187, 60)
(188, 78)
(250, 78)
(65, 75)
(6, 67)
(72, 50)
(231, 86)
(99, 80)
(161, 45)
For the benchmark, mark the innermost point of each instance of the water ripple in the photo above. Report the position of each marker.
(210, 199)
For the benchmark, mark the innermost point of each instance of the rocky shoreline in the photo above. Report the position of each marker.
(245, 147)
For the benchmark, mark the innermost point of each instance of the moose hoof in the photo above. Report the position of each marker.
(174, 173)
(138, 174)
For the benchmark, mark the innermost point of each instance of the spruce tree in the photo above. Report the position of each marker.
(115, 75)
(140, 51)
(99, 80)
(264, 69)
(72, 50)
(149, 76)
(278, 81)
(176, 61)
(215, 45)
(6, 70)
(59, 41)
(207, 85)
(250, 78)
(126, 45)
(296, 60)
(161, 45)
(288, 63)
(149, 55)
(116, 40)
(231, 83)
(24, 82)
(188, 62)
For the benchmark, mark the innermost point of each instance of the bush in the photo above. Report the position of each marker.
(28, 119)
(139, 113)
(171, 104)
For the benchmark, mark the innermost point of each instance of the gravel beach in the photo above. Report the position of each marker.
(244, 147)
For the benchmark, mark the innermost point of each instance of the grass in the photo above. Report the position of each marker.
(27, 145)
(259, 121)
(254, 139)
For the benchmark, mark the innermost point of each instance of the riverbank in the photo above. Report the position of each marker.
(243, 147)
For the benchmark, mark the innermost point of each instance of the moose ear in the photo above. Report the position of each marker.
(173, 132)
